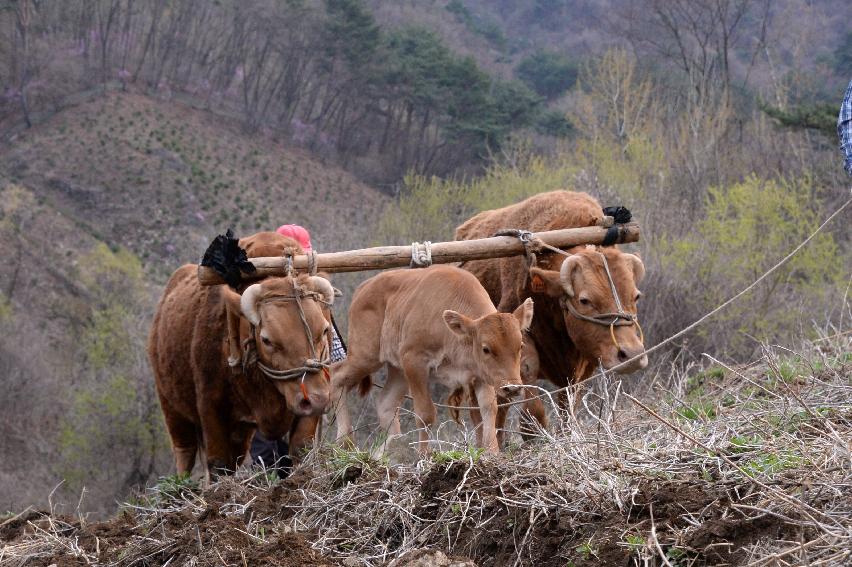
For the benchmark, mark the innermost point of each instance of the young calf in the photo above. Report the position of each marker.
(432, 324)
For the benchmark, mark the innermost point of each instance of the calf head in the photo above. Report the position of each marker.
(583, 289)
(494, 343)
(289, 331)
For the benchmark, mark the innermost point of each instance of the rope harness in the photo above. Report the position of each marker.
(421, 255)
(620, 318)
(312, 365)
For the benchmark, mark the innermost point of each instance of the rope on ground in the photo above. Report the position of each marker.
(690, 327)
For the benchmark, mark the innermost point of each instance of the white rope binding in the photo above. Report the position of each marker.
(421, 255)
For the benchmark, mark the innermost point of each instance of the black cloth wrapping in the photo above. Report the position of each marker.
(226, 257)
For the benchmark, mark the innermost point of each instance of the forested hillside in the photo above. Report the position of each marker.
(133, 131)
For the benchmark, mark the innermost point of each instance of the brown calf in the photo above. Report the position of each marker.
(432, 324)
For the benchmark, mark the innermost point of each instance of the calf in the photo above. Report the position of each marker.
(433, 324)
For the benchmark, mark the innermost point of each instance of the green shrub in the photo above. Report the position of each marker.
(746, 228)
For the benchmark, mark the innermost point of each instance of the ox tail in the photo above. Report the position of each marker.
(457, 397)
(364, 385)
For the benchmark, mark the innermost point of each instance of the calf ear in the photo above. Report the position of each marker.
(545, 281)
(457, 323)
(638, 267)
(524, 314)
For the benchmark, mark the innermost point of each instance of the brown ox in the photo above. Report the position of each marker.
(207, 406)
(565, 289)
(436, 323)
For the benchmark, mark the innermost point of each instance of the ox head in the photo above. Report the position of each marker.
(583, 289)
(494, 343)
(284, 341)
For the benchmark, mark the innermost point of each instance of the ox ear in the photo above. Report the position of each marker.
(566, 274)
(545, 281)
(248, 303)
(321, 286)
(458, 323)
(638, 267)
(524, 314)
(232, 300)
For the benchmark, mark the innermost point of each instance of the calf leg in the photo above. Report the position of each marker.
(388, 402)
(302, 436)
(344, 376)
(487, 399)
(417, 375)
(475, 416)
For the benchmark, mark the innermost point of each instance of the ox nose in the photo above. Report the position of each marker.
(314, 404)
(624, 354)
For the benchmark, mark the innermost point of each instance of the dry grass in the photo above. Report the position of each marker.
(746, 465)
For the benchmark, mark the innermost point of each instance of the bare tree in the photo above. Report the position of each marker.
(697, 36)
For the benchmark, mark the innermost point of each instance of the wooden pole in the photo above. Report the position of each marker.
(383, 257)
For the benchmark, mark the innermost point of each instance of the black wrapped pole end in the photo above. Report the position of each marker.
(226, 257)
(621, 215)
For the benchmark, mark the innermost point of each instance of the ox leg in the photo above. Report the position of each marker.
(240, 442)
(487, 401)
(184, 436)
(417, 375)
(388, 402)
(302, 436)
(218, 445)
(533, 410)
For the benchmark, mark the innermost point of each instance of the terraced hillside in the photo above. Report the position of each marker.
(98, 205)
(161, 178)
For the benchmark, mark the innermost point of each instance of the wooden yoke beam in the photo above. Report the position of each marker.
(384, 257)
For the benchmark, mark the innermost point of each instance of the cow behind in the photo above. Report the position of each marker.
(569, 346)
(436, 323)
(205, 404)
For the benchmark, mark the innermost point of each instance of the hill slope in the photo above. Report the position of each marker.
(160, 180)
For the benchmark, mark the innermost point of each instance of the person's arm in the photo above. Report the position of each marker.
(844, 129)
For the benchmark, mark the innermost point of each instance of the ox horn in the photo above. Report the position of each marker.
(638, 267)
(248, 303)
(323, 287)
(566, 274)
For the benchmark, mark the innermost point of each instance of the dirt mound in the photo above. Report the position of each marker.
(230, 523)
(748, 480)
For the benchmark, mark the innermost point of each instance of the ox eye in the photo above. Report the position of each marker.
(638, 295)
(486, 350)
(265, 341)
(584, 301)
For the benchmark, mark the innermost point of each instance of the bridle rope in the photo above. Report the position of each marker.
(312, 365)
(620, 318)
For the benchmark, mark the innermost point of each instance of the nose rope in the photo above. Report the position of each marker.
(311, 365)
(620, 318)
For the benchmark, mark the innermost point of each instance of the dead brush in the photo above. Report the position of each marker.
(744, 465)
